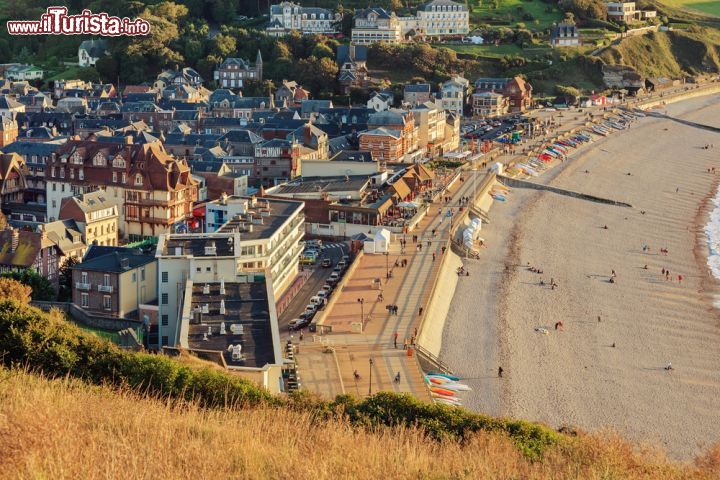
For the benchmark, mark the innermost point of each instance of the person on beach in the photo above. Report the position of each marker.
(395, 337)
(680, 278)
(669, 367)
(500, 372)
(405, 344)
(397, 377)
(420, 311)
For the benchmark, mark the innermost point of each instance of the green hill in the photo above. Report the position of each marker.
(668, 54)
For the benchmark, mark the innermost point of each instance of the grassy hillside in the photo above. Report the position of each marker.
(63, 429)
(710, 7)
(669, 54)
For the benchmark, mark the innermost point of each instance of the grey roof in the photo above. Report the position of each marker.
(353, 156)
(564, 30)
(199, 139)
(240, 62)
(345, 54)
(380, 12)
(95, 48)
(28, 149)
(389, 132)
(93, 201)
(308, 106)
(417, 88)
(241, 136)
(245, 304)
(387, 117)
(442, 3)
(323, 184)
(66, 235)
(110, 259)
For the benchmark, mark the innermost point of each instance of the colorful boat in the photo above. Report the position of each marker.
(442, 391)
(448, 376)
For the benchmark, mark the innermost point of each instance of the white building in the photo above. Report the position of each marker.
(375, 25)
(258, 237)
(453, 94)
(288, 16)
(380, 101)
(443, 17)
(90, 51)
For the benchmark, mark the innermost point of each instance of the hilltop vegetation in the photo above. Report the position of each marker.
(65, 429)
(669, 54)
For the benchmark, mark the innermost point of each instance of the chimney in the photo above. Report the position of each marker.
(125, 263)
(15, 240)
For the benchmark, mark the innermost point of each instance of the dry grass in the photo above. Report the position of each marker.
(64, 429)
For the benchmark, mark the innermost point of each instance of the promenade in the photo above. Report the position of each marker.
(408, 288)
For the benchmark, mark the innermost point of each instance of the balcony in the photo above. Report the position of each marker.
(82, 286)
(105, 288)
(148, 219)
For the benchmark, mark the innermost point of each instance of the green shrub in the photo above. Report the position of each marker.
(57, 348)
(48, 344)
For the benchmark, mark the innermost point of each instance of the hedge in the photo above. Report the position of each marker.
(49, 345)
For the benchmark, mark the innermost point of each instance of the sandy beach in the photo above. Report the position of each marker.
(575, 376)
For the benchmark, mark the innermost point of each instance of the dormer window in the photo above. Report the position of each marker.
(138, 179)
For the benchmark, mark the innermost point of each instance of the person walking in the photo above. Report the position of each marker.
(395, 337)
(500, 372)
(420, 312)
(405, 344)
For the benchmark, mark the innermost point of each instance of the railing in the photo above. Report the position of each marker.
(82, 286)
(105, 288)
(149, 219)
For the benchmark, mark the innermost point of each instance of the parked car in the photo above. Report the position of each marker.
(327, 288)
(323, 294)
(298, 323)
(333, 278)
(315, 300)
(346, 258)
(311, 251)
(307, 259)
(342, 264)
(314, 243)
(311, 307)
(326, 263)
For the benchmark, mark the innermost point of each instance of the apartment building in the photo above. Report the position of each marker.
(430, 121)
(95, 213)
(404, 123)
(288, 16)
(489, 104)
(114, 281)
(453, 95)
(375, 25)
(260, 237)
(384, 144)
(442, 18)
(154, 192)
(8, 131)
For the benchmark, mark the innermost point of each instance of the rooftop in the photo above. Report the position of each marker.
(114, 259)
(246, 322)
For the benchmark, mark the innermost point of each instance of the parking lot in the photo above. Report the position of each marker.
(333, 251)
(491, 129)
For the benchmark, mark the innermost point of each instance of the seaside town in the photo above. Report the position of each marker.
(518, 221)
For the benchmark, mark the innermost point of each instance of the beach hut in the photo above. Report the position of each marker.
(380, 242)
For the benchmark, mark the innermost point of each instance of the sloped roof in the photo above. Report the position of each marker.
(95, 48)
(24, 255)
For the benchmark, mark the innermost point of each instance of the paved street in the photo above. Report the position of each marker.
(331, 250)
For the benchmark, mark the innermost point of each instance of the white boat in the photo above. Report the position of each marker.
(457, 387)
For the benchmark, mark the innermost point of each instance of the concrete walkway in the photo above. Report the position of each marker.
(408, 288)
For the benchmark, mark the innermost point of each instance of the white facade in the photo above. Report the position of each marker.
(288, 16)
(452, 95)
(443, 17)
(246, 251)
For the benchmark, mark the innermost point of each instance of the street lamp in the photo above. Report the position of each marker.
(370, 386)
(361, 301)
(387, 267)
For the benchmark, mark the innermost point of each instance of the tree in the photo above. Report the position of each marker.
(42, 289)
(322, 51)
(65, 284)
(107, 68)
(224, 45)
(11, 289)
(585, 9)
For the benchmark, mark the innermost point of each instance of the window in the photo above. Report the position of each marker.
(84, 277)
(164, 276)
(164, 340)
(164, 298)
(114, 177)
(142, 274)
(207, 269)
(164, 321)
(107, 302)
(134, 277)
(84, 300)
(138, 179)
(106, 280)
